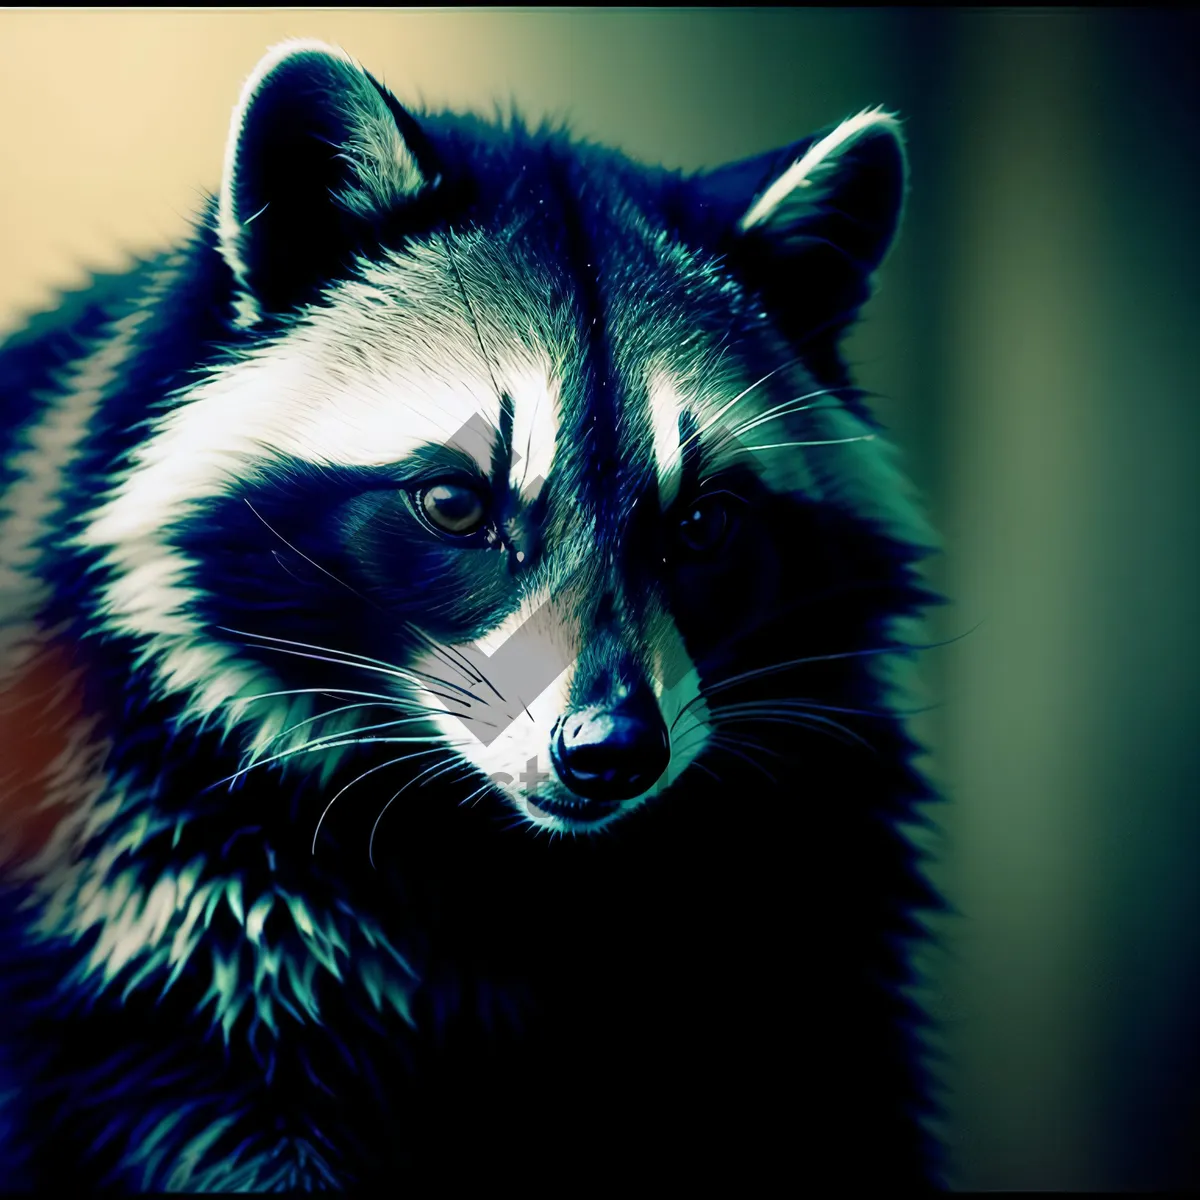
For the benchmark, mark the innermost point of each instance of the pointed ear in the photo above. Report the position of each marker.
(317, 153)
(810, 224)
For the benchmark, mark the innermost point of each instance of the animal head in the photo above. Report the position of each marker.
(518, 446)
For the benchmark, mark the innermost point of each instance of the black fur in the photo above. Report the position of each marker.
(707, 994)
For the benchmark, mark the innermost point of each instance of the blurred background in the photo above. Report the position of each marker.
(1033, 343)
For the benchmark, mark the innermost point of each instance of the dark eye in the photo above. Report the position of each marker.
(453, 508)
(705, 525)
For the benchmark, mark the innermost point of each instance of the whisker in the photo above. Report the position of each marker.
(495, 691)
(343, 654)
(808, 720)
(311, 562)
(810, 400)
(326, 744)
(482, 790)
(332, 693)
(479, 791)
(449, 767)
(813, 658)
(680, 744)
(396, 796)
(464, 666)
(316, 743)
(721, 741)
(730, 747)
(787, 407)
(408, 676)
(803, 704)
(333, 712)
(742, 740)
(358, 778)
(726, 407)
(283, 566)
(439, 768)
(451, 656)
(805, 720)
(865, 437)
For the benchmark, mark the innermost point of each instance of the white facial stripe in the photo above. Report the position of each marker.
(280, 403)
(667, 409)
(535, 428)
(299, 397)
(800, 438)
(719, 400)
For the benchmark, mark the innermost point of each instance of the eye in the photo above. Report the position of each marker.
(453, 508)
(706, 524)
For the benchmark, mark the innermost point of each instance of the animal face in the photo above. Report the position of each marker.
(511, 455)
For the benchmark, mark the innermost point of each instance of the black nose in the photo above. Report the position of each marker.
(614, 752)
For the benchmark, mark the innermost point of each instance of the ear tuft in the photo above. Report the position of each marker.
(806, 226)
(847, 187)
(316, 147)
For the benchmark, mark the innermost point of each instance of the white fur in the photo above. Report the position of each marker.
(528, 722)
(366, 384)
(536, 417)
(667, 409)
(148, 930)
(512, 727)
(813, 167)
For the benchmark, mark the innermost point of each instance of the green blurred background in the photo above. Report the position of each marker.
(1033, 341)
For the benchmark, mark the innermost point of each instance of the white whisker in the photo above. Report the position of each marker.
(406, 676)
(345, 654)
(391, 762)
(810, 720)
(399, 705)
(326, 744)
(311, 562)
(866, 437)
(786, 408)
(333, 693)
(394, 798)
(726, 407)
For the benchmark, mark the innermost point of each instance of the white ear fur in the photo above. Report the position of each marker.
(800, 189)
(382, 167)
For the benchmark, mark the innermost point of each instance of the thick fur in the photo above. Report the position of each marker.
(206, 561)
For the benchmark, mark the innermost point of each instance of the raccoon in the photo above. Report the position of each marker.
(452, 614)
